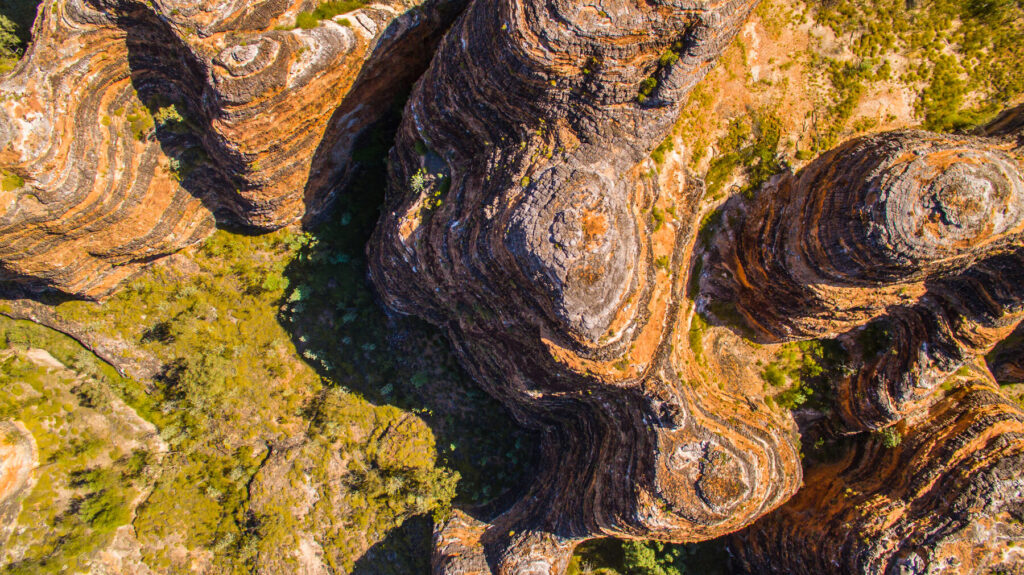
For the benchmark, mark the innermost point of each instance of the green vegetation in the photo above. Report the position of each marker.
(10, 44)
(890, 437)
(964, 56)
(94, 464)
(849, 84)
(801, 373)
(874, 338)
(613, 557)
(647, 87)
(275, 344)
(695, 336)
(340, 329)
(16, 17)
(327, 11)
(169, 117)
(9, 181)
(751, 142)
(658, 217)
(140, 122)
(658, 155)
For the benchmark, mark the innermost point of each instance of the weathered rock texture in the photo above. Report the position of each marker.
(910, 248)
(18, 457)
(519, 218)
(268, 119)
(947, 499)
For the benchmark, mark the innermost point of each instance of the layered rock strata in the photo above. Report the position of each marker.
(518, 218)
(908, 247)
(906, 244)
(947, 499)
(130, 128)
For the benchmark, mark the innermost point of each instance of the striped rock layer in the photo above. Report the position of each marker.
(909, 248)
(266, 118)
(518, 219)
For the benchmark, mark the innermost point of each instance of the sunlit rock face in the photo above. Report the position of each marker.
(866, 224)
(908, 247)
(518, 218)
(266, 115)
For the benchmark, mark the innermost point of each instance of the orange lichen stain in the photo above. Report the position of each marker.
(943, 159)
(14, 460)
(595, 225)
(589, 274)
(411, 221)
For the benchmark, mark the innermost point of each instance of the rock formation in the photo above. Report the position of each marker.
(908, 247)
(520, 219)
(526, 219)
(946, 499)
(18, 457)
(130, 128)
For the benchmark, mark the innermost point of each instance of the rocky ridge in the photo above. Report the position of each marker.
(524, 229)
(133, 127)
(529, 232)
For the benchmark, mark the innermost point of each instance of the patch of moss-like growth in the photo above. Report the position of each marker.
(751, 142)
(9, 181)
(327, 11)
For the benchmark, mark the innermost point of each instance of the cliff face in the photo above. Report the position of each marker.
(519, 219)
(132, 127)
(907, 246)
(946, 499)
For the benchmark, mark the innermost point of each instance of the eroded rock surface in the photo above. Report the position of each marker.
(906, 246)
(947, 499)
(263, 123)
(518, 218)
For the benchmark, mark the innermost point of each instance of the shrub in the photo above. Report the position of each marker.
(890, 437)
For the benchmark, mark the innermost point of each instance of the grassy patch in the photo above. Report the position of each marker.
(16, 17)
(278, 338)
(91, 462)
(615, 557)
(963, 56)
(752, 143)
(327, 11)
(9, 181)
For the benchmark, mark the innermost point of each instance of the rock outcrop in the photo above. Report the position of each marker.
(18, 457)
(519, 219)
(908, 247)
(130, 128)
(526, 219)
(946, 499)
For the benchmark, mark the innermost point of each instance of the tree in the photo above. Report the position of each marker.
(10, 44)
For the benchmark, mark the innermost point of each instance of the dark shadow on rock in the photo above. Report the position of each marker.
(338, 324)
(163, 72)
(400, 57)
